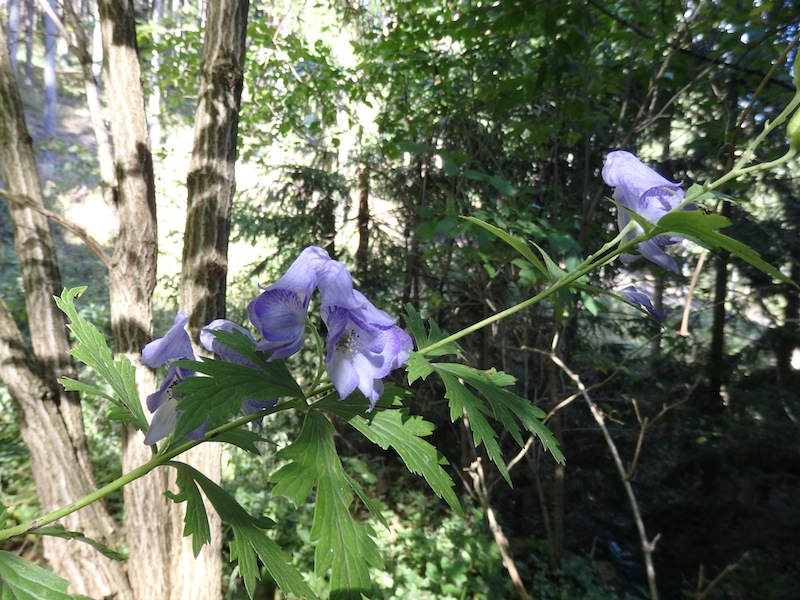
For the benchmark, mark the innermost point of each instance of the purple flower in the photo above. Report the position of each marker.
(280, 312)
(363, 344)
(175, 345)
(643, 191)
(634, 296)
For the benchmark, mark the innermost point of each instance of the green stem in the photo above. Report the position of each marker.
(142, 470)
(590, 264)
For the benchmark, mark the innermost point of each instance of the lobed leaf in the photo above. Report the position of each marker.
(514, 412)
(464, 402)
(218, 396)
(250, 542)
(425, 337)
(395, 428)
(94, 352)
(195, 522)
(702, 228)
(58, 530)
(518, 245)
(342, 545)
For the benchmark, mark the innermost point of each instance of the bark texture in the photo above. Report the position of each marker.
(148, 514)
(50, 419)
(211, 184)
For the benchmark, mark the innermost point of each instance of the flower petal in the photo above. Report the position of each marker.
(164, 421)
(173, 346)
(634, 296)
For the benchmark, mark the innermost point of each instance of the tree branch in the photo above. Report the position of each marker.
(648, 546)
(65, 223)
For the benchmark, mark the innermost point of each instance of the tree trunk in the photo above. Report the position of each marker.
(50, 83)
(80, 48)
(50, 418)
(148, 514)
(717, 368)
(13, 32)
(211, 185)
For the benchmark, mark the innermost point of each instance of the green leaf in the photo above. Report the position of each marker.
(502, 186)
(93, 351)
(555, 271)
(518, 245)
(250, 542)
(342, 545)
(424, 337)
(241, 438)
(514, 412)
(58, 530)
(394, 428)
(22, 580)
(417, 367)
(702, 228)
(218, 396)
(195, 522)
(706, 199)
(464, 402)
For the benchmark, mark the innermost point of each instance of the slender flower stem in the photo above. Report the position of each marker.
(587, 266)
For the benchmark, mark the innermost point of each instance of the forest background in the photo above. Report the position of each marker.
(369, 129)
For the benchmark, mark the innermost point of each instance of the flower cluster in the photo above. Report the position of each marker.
(363, 343)
(641, 190)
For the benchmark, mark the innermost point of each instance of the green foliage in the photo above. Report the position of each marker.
(703, 228)
(215, 398)
(250, 542)
(391, 427)
(576, 577)
(59, 531)
(498, 403)
(342, 545)
(436, 557)
(20, 579)
(93, 351)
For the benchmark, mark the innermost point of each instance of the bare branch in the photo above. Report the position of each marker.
(77, 230)
(648, 546)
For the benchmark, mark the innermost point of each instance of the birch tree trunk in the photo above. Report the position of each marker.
(211, 184)
(50, 418)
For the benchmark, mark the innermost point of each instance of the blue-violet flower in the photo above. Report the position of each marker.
(363, 342)
(631, 294)
(175, 345)
(643, 191)
(280, 311)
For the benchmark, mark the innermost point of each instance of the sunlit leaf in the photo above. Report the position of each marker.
(342, 545)
(391, 427)
(250, 541)
(93, 351)
(518, 245)
(702, 228)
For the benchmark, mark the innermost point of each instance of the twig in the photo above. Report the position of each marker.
(66, 224)
(479, 485)
(702, 593)
(687, 307)
(648, 546)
